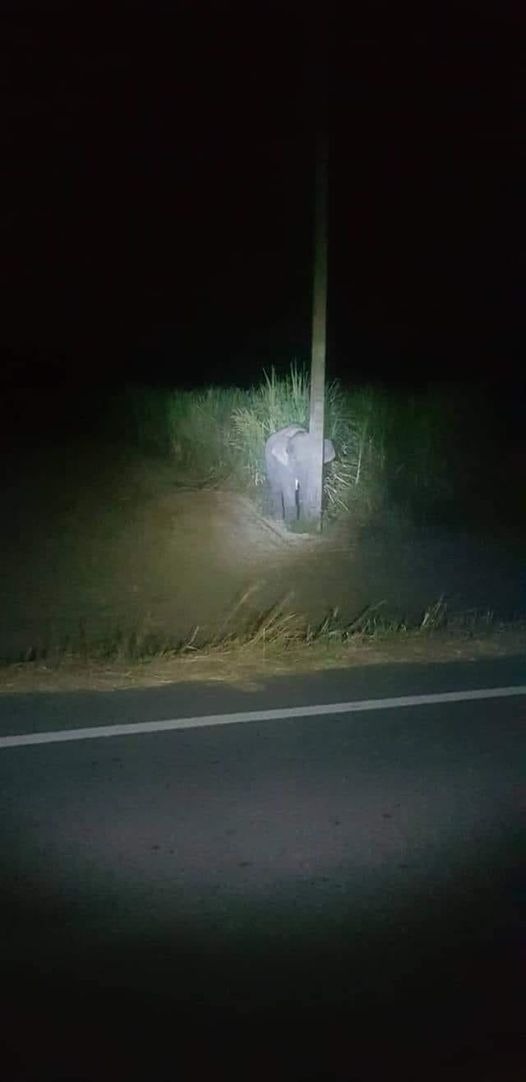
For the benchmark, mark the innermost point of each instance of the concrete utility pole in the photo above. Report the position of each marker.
(311, 504)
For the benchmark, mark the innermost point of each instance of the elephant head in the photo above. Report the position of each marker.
(289, 459)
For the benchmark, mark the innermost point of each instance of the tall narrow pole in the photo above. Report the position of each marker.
(313, 504)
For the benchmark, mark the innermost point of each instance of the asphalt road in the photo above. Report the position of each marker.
(335, 895)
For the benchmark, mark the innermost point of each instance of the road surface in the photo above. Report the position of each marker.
(281, 894)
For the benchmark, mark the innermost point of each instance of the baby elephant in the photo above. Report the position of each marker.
(288, 458)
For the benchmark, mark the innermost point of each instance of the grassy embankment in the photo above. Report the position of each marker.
(429, 458)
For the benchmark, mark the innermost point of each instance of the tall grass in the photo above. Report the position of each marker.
(418, 451)
(281, 401)
(193, 428)
(430, 448)
(275, 403)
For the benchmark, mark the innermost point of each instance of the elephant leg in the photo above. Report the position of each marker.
(276, 502)
(290, 506)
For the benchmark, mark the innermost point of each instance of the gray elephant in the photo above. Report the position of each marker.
(288, 458)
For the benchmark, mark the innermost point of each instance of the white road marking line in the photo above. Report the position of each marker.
(96, 732)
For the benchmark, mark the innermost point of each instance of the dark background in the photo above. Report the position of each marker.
(157, 219)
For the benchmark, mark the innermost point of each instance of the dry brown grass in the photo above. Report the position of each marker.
(279, 647)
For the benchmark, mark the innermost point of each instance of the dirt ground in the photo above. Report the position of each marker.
(98, 543)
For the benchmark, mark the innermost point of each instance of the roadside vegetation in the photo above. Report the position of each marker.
(433, 459)
(438, 455)
(278, 642)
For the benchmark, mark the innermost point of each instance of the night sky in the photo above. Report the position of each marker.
(159, 162)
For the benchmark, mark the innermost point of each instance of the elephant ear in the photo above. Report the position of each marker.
(283, 442)
(297, 445)
(281, 453)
